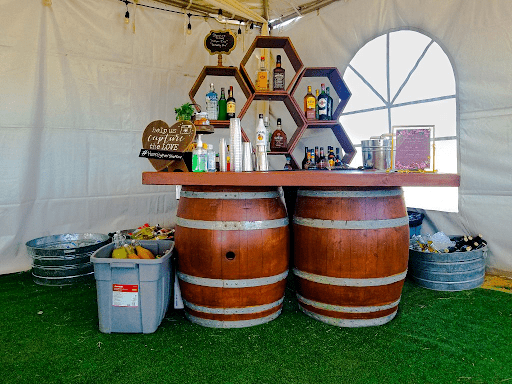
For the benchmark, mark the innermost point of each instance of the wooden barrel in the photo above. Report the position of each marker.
(232, 245)
(351, 248)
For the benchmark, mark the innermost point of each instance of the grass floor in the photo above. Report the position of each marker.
(50, 335)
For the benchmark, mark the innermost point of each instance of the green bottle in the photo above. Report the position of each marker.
(223, 107)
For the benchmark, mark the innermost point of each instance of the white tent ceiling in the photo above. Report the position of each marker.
(262, 11)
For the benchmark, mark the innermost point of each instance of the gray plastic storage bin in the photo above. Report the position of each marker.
(133, 294)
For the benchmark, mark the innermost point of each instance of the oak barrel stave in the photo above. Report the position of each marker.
(243, 238)
(351, 252)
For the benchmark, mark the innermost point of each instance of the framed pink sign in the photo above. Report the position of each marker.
(413, 148)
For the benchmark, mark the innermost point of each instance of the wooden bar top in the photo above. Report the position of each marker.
(299, 178)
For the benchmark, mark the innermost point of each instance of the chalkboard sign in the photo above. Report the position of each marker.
(220, 42)
(164, 145)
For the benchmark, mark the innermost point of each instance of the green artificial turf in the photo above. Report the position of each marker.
(51, 335)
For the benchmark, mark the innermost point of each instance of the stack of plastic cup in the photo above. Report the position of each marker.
(235, 132)
(247, 163)
(222, 155)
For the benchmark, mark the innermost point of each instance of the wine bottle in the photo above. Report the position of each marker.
(230, 104)
(329, 104)
(222, 106)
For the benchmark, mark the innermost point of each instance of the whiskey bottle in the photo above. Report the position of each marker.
(278, 75)
(317, 155)
(279, 141)
(330, 156)
(212, 103)
(309, 105)
(306, 158)
(262, 76)
(322, 161)
(322, 105)
(230, 104)
(222, 106)
(337, 160)
(329, 104)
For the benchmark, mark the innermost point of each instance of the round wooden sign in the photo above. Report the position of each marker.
(168, 143)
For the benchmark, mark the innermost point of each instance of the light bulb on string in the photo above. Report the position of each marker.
(127, 14)
(239, 28)
(252, 26)
(189, 26)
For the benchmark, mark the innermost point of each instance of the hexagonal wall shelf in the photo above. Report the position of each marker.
(336, 80)
(272, 42)
(219, 71)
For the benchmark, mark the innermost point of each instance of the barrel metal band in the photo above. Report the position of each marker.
(350, 323)
(232, 225)
(350, 282)
(367, 193)
(355, 224)
(233, 311)
(345, 309)
(230, 195)
(240, 283)
(232, 324)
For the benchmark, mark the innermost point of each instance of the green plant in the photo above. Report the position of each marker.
(185, 112)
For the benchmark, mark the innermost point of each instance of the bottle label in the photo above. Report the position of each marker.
(262, 81)
(231, 107)
(278, 81)
(310, 103)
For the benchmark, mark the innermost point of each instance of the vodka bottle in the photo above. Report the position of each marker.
(212, 101)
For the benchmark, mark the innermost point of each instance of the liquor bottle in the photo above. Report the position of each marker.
(322, 161)
(222, 106)
(309, 105)
(228, 159)
(262, 77)
(330, 156)
(212, 103)
(329, 104)
(337, 160)
(312, 159)
(278, 75)
(317, 155)
(288, 165)
(316, 106)
(306, 157)
(278, 142)
(322, 105)
(261, 133)
(230, 104)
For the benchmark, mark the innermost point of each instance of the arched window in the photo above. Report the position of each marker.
(405, 78)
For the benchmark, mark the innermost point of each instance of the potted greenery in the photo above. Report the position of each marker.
(185, 112)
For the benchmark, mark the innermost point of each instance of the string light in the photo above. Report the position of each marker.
(239, 28)
(189, 26)
(252, 26)
(127, 14)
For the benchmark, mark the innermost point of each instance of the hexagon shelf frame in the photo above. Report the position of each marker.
(219, 71)
(344, 94)
(272, 42)
(293, 109)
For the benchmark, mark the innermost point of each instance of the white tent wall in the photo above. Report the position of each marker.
(78, 86)
(476, 35)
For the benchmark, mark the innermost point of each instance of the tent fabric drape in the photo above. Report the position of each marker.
(78, 87)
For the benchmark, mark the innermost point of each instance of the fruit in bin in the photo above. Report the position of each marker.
(133, 256)
(144, 253)
(119, 253)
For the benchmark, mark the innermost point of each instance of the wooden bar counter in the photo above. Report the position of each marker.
(348, 246)
(304, 178)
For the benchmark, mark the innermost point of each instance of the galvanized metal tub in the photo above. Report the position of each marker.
(64, 259)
